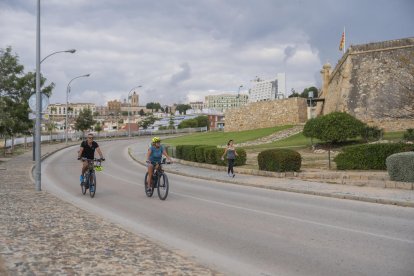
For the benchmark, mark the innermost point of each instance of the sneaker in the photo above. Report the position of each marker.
(92, 188)
(81, 180)
(233, 175)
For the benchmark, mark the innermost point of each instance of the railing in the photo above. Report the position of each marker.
(101, 135)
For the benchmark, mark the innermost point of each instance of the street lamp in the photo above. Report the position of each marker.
(38, 169)
(66, 51)
(67, 103)
(129, 101)
(34, 127)
(238, 96)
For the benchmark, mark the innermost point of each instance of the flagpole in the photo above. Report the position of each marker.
(344, 41)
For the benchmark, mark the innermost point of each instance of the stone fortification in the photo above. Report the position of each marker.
(266, 114)
(373, 82)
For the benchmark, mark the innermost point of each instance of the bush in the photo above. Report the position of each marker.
(179, 151)
(400, 166)
(409, 135)
(210, 155)
(368, 157)
(188, 152)
(279, 160)
(239, 161)
(371, 133)
(201, 154)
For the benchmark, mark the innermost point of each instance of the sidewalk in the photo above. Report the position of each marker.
(276, 181)
(43, 235)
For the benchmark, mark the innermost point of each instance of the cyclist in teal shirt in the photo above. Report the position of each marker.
(154, 156)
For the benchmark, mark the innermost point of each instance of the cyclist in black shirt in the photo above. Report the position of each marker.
(87, 150)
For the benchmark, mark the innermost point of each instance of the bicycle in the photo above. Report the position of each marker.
(159, 181)
(90, 176)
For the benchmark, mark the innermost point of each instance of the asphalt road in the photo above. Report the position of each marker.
(241, 230)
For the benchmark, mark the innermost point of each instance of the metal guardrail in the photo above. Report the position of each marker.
(101, 135)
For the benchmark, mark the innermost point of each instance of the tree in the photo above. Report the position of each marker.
(147, 122)
(171, 124)
(182, 108)
(305, 93)
(190, 123)
(333, 128)
(202, 121)
(16, 87)
(84, 121)
(141, 112)
(98, 127)
(153, 106)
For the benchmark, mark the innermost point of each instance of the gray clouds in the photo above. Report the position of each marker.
(182, 50)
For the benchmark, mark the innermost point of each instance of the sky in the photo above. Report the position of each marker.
(182, 50)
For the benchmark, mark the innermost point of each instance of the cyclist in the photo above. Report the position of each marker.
(154, 156)
(87, 150)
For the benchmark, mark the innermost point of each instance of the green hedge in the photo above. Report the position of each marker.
(239, 161)
(279, 160)
(210, 155)
(207, 154)
(400, 166)
(368, 157)
(200, 152)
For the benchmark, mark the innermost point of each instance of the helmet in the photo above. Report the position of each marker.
(156, 140)
(98, 168)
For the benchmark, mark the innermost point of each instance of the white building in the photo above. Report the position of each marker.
(269, 90)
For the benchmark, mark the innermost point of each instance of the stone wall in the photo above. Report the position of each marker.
(266, 114)
(375, 83)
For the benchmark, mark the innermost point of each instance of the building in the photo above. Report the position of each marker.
(225, 101)
(197, 105)
(58, 109)
(268, 90)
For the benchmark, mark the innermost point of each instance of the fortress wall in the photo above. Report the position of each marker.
(375, 83)
(266, 114)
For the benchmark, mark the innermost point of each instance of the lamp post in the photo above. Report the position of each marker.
(65, 51)
(67, 103)
(129, 101)
(238, 96)
(34, 127)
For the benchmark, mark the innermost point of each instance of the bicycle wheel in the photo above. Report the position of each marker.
(148, 192)
(163, 186)
(84, 184)
(92, 184)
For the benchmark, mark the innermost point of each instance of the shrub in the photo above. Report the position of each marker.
(368, 157)
(188, 152)
(409, 135)
(179, 151)
(279, 160)
(239, 161)
(200, 153)
(400, 166)
(371, 133)
(210, 155)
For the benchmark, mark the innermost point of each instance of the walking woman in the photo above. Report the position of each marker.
(231, 156)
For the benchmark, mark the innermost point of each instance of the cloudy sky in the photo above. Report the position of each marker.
(182, 50)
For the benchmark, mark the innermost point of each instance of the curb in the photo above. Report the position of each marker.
(293, 190)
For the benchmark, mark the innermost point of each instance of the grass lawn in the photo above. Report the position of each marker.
(221, 138)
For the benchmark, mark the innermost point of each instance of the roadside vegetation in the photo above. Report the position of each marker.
(314, 151)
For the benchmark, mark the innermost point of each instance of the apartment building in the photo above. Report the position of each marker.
(267, 90)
